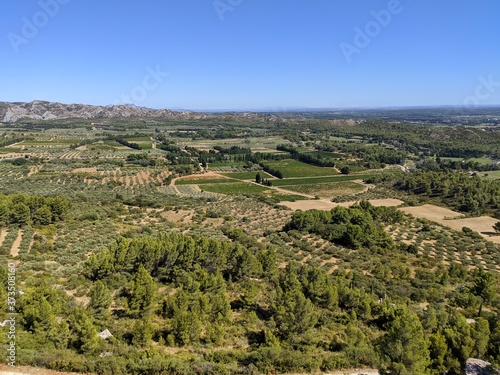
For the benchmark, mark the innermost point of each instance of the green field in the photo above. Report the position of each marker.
(101, 146)
(246, 175)
(267, 144)
(326, 154)
(52, 142)
(204, 182)
(234, 188)
(329, 189)
(138, 139)
(493, 175)
(7, 150)
(227, 164)
(111, 143)
(294, 168)
(483, 160)
(144, 142)
(317, 180)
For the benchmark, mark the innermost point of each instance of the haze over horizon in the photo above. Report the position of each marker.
(237, 55)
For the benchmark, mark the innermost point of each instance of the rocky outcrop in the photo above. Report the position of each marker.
(43, 110)
(475, 366)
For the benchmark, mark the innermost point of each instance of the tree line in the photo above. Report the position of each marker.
(460, 190)
(21, 209)
(316, 160)
(124, 142)
(355, 227)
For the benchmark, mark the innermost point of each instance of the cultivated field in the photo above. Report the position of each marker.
(294, 168)
(446, 217)
(325, 205)
(227, 290)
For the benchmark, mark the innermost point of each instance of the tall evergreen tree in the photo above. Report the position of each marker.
(100, 299)
(143, 293)
(403, 348)
(295, 314)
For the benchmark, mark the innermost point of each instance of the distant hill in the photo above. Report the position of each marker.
(444, 115)
(44, 110)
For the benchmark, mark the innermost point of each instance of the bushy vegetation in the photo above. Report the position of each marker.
(178, 291)
(23, 210)
(459, 190)
(212, 276)
(355, 227)
(313, 159)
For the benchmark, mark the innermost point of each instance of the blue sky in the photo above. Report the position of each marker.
(247, 54)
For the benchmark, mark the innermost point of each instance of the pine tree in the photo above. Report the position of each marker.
(143, 293)
(459, 340)
(59, 206)
(483, 287)
(4, 213)
(481, 335)
(438, 350)
(357, 348)
(85, 336)
(42, 216)
(494, 343)
(100, 299)
(142, 332)
(186, 328)
(20, 214)
(295, 314)
(404, 348)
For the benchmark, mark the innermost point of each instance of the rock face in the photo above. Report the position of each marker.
(43, 110)
(475, 366)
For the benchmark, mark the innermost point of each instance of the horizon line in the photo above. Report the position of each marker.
(273, 109)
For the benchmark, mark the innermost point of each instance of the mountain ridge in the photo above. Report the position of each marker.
(44, 110)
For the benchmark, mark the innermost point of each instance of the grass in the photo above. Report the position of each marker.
(318, 180)
(247, 175)
(54, 142)
(294, 168)
(493, 175)
(483, 160)
(8, 150)
(328, 189)
(146, 146)
(227, 164)
(100, 147)
(111, 143)
(138, 139)
(326, 154)
(234, 188)
(267, 144)
(204, 182)
(143, 142)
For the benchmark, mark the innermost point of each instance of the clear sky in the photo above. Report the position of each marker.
(248, 54)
